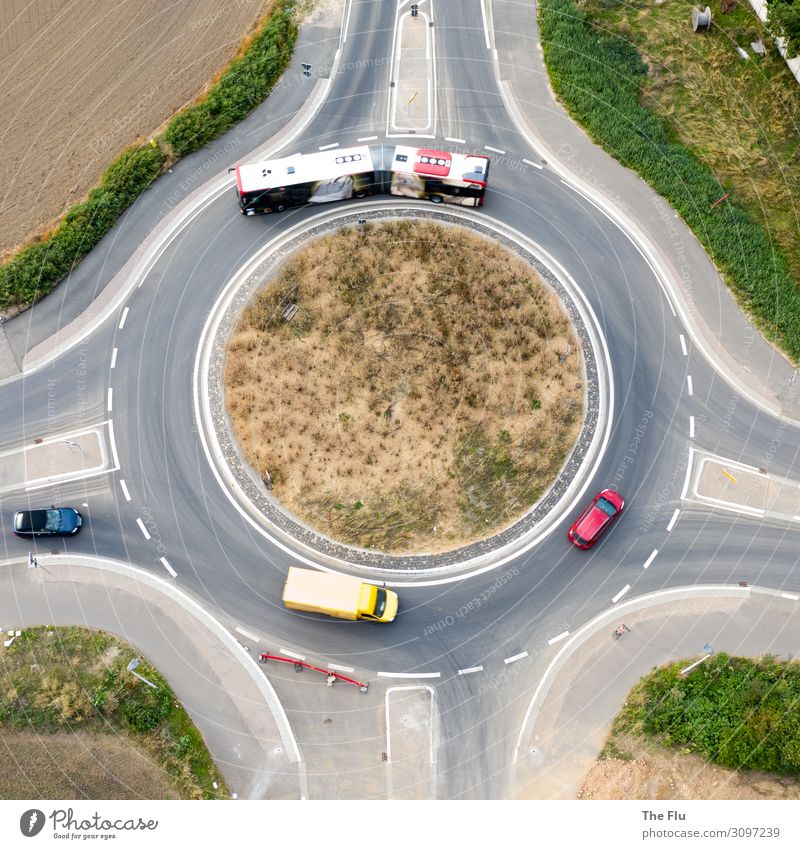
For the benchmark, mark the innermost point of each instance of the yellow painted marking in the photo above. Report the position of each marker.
(413, 96)
(728, 475)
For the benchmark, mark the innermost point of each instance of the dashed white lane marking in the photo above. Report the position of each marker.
(168, 567)
(651, 558)
(790, 596)
(691, 427)
(114, 358)
(292, 654)
(455, 141)
(674, 519)
(124, 487)
(110, 396)
(339, 668)
(143, 529)
(470, 669)
(621, 593)
(535, 164)
(562, 636)
(516, 657)
(493, 149)
(683, 345)
(366, 138)
(247, 634)
(409, 674)
(689, 384)
(329, 146)
(124, 316)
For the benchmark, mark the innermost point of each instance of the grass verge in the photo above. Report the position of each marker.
(647, 117)
(247, 80)
(74, 683)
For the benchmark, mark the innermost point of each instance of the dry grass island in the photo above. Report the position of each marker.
(410, 388)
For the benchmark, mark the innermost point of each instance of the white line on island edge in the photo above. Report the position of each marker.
(143, 529)
(535, 164)
(329, 146)
(674, 519)
(292, 654)
(168, 567)
(110, 395)
(470, 669)
(124, 488)
(366, 138)
(621, 593)
(691, 427)
(516, 657)
(790, 596)
(409, 674)
(124, 316)
(562, 636)
(683, 345)
(650, 559)
(455, 141)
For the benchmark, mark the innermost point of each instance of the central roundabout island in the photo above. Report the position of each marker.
(405, 386)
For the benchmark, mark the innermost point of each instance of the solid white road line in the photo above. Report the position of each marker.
(455, 141)
(329, 146)
(485, 25)
(562, 636)
(143, 529)
(168, 567)
(409, 674)
(114, 358)
(124, 488)
(493, 149)
(683, 345)
(470, 669)
(689, 384)
(110, 395)
(688, 478)
(691, 427)
(516, 657)
(366, 138)
(340, 668)
(124, 316)
(113, 442)
(674, 519)
(650, 559)
(247, 634)
(292, 654)
(621, 593)
(790, 596)
(535, 164)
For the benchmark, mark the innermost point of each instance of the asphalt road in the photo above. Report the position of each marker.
(553, 588)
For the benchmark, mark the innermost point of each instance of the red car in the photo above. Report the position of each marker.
(596, 518)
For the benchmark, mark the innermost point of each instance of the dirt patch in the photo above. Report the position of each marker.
(643, 770)
(77, 85)
(77, 765)
(409, 389)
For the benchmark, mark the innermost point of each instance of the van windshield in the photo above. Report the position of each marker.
(380, 602)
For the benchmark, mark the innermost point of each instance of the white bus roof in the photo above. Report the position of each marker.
(304, 168)
(426, 162)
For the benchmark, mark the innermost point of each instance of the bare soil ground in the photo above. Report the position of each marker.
(79, 81)
(77, 765)
(424, 394)
(644, 770)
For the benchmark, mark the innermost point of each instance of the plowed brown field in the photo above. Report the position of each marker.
(79, 81)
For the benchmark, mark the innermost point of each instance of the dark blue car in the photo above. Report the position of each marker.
(47, 521)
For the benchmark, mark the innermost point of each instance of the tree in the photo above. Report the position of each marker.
(783, 18)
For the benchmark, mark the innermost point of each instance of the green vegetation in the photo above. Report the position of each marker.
(783, 18)
(736, 712)
(35, 270)
(74, 680)
(696, 122)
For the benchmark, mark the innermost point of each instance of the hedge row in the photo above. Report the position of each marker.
(736, 712)
(35, 270)
(598, 76)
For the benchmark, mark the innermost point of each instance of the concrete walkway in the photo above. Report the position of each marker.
(583, 688)
(715, 321)
(223, 688)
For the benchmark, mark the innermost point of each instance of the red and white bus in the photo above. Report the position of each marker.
(340, 174)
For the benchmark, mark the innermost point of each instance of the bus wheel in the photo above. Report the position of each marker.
(436, 198)
(280, 207)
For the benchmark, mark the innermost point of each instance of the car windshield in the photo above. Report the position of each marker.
(607, 507)
(580, 540)
(53, 522)
(380, 602)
